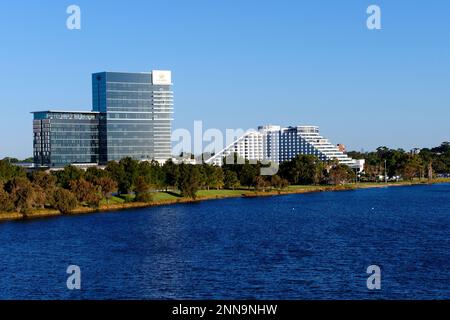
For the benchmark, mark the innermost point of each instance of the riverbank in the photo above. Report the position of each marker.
(168, 198)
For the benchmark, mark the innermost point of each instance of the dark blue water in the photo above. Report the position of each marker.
(311, 246)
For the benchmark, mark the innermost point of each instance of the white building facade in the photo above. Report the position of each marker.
(275, 144)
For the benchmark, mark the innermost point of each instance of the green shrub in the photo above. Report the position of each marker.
(6, 203)
(64, 200)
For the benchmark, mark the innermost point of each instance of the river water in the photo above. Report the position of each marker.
(307, 246)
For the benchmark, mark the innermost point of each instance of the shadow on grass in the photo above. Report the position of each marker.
(174, 194)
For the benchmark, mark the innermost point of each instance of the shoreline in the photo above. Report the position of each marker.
(241, 193)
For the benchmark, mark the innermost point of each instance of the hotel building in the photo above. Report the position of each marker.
(63, 137)
(283, 144)
(131, 117)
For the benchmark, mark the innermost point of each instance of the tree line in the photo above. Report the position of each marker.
(425, 163)
(66, 189)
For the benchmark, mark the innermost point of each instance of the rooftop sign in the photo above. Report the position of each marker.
(161, 77)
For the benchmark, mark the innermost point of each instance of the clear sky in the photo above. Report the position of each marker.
(239, 63)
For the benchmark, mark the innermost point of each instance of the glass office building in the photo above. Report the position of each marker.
(138, 109)
(65, 137)
(131, 117)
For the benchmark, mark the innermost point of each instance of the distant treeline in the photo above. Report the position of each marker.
(423, 163)
(132, 180)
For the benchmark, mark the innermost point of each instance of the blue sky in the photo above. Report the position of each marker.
(238, 64)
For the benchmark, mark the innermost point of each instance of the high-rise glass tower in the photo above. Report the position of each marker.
(131, 117)
(138, 111)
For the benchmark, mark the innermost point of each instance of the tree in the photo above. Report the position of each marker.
(40, 197)
(124, 173)
(86, 192)
(93, 173)
(430, 170)
(145, 171)
(341, 174)
(303, 169)
(260, 183)
(411, 168)
(189, 180)
(208, 178)
(94, 198)
(130, 167)
(278, 183)
(70, 173)
(152, 172)
(117, 173)
(107, 186)
(81, 189)
(9, 171)
(203, 182)
(444, 148)
(64, 200)
(212, 176)
(372, 171)
(43, 179)
(231, 180)
(6, 203)
(248, 174)
(171, 174)
(142, 189)
(11, 160)
(45, 184)
(22, 194)
(319, 172)
(218, 178)
(158, 175)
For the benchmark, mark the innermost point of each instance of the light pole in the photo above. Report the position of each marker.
(385, 171)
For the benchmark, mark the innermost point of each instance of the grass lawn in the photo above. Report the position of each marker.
(113, 200)
(165, 196)
(220, 193)
(173, 196)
